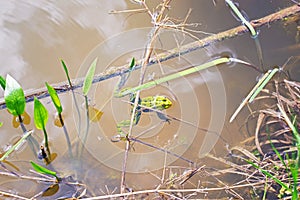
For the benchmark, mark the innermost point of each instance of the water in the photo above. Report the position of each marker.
(34, 36)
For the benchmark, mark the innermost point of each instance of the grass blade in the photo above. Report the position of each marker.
(264, 83)
(73, 94)
(269, 175)
(38, 168)
(255, 90)
(294, 169)
(67, 72)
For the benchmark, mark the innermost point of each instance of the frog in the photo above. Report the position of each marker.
(146, 104)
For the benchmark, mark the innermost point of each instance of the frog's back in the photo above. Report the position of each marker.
(156, 102)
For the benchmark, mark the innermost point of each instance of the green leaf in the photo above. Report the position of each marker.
(1, 123)
(67, 72)
(40, 114)
(14, 96)
(42, 170)
(132, 64)
(89, 78)
(54, 97)
(2, 82)
(268, 174)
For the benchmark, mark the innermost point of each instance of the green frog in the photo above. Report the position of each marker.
(146, 104)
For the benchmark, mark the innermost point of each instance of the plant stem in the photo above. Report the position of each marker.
(66, 134)
(87, 124)
(21, 124)
(46, 143)
(176, 75)
(25, 135)
(32, 141)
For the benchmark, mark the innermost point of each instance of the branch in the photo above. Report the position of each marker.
(173, 53)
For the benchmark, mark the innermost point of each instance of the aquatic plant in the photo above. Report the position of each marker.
(73, 95)
(40, 169)
(14, 97)
(56, 101)
(85, 89)
(2, 82)
(40, 121)
(16, 145)
(174, 184)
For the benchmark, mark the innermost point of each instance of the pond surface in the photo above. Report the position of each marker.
(34, 36)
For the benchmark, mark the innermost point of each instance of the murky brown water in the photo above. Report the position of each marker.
(35, 35)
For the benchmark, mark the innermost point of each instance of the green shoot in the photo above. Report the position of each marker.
(40, 114)
(38, 168)
(2, 82)
(57, 104)
(124, 77)
(294, 169)
(41, 119)
(290, 124)
(1, 123)
(67, 72)
(277, 153)
(73, 94)
(265, 189)
(269, 175)
(16, 146)
(86, 87)
(132, 64)
(14, 96)
(292, 127)
(54, 97)
(274, 148)
(89, 78)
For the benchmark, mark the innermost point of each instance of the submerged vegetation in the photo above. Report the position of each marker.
(264, 166)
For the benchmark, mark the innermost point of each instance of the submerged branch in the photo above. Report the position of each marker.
(173, 53)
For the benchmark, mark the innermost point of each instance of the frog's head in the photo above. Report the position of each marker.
(162, 102)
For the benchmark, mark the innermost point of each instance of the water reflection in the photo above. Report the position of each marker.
(51, 30)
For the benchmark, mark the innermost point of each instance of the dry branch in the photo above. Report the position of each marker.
(173, 53)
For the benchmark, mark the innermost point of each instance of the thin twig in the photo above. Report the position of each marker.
(145, 62)
(6, 194)
(198, 190)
